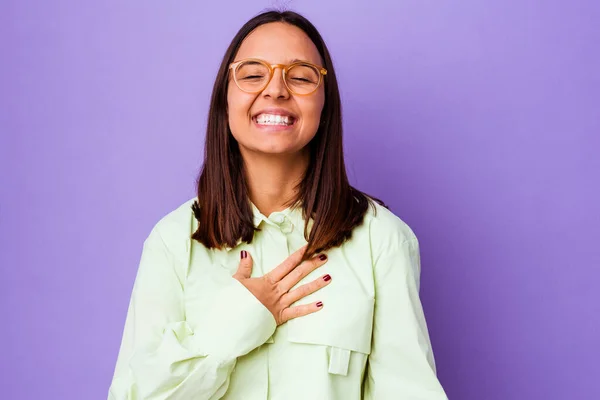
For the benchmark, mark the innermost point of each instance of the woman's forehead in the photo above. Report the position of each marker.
(278, 43)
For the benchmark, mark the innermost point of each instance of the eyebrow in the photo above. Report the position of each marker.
(289, 62)
(299, 60)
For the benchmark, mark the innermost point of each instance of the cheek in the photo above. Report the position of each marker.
(238, 107)
(312, 113)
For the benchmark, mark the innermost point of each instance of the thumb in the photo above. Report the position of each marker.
(245, 267)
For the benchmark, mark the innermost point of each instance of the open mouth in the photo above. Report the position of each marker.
(274, 120)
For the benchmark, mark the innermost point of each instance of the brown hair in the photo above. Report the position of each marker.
(223, 209)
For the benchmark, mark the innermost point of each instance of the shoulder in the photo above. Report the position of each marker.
(175, 228)
(388, 233)
(177, 220)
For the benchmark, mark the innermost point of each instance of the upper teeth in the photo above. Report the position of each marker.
(273, 119)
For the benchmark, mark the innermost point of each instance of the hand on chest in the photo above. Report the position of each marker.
(344, 322)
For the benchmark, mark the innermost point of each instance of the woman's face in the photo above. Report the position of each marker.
(275, 43)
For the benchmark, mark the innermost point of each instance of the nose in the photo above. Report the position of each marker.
(276, 87)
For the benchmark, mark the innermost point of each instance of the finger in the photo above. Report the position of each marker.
(289, 264)
(245, 268)
(304, 290)
(301, 271)
(300, 311)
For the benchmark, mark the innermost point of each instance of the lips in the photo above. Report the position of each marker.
(274, 119)
(275, 111)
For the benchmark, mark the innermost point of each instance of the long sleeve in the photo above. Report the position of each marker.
(161, 357)
(401, 363)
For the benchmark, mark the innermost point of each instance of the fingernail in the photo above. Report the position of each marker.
(243, 254)
(322, 257)
(326, 277)
(320, 304)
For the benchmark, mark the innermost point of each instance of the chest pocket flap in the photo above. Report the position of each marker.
(344, 324)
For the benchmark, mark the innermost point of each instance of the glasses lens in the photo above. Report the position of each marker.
(303, 79)
(252, 76)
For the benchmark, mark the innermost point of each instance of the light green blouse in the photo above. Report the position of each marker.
(194, 332)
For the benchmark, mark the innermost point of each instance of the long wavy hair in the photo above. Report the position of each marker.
(223, 208)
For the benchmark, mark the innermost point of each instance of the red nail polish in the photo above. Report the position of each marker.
(244, 254)
(326, 277)
(323, 257)
(320, 304)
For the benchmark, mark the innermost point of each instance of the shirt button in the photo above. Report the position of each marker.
(287, 228)
(279, 219)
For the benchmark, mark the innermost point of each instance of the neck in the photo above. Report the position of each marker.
(272, 179)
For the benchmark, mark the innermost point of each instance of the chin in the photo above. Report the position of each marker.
(272, 148)
(273, 151)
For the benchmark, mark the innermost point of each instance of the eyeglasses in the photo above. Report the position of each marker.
(253, 75)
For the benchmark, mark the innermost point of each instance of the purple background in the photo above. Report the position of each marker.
(477, 121)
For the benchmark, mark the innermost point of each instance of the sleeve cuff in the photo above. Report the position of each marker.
(239, 323)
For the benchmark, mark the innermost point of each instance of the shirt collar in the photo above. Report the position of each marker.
(287, 220)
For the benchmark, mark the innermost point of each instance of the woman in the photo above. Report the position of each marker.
(279, 280)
